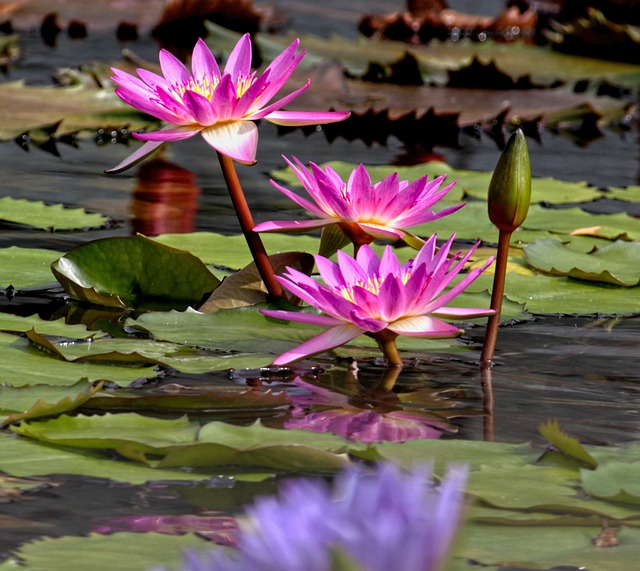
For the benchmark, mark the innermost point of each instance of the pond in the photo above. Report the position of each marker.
(581, 370)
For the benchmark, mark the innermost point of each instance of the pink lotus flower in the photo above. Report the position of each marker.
(222, 107)
(364, 211)
(379, 297)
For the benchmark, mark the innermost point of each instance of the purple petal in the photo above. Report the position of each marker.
(424, 326)
(301, 317)
(382, 232)
(237, 139)
(329, 339)
(300, 118)
(351, 271)
(223, 100)
(368, 259)
(290, 226)
(150, 106)
(301, 201)
(168, 133)
(462, 312)
(200, 107)
(367, 323)
(281, 68)
(173, 69)
(203, 64)
(142, 153)
(278, 104)
(239, 61)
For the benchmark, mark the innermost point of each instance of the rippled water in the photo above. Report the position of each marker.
(583, 372)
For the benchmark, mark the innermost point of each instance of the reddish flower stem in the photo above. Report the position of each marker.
(491, 335)
(256, 247)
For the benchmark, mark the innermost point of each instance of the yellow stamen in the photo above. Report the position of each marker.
(372, 284)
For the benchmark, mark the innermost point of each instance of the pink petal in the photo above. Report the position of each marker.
(290, 226)
(169, 133)
(237, 139)
(173, 69)
(300, 201)
(368, 259)
(278, 104)
(389, 263)
(224, 98)
(239, 61)
(149, 106)
(200, 107)
(301, 317)
(251, 97)
(424, 216)
(281, 68)
(329, 272)
(462, 312)
(132, 83)
(329, 339)
(153, 80)
(382, 232)
(300, 118)
(351, 271)
(142, 153)
(424, 326)
(203, 64)
(367, 323)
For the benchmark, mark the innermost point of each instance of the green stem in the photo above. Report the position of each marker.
(491, 335)
(256, 247)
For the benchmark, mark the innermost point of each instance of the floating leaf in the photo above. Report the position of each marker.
(41, 405)
(614, 264)
(129, 271)
(26, 267)
(123, 551)
(23, 365)
(567, 444)
(17, 323)
(48, 217)
(616, 481)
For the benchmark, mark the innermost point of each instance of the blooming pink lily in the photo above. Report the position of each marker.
(380, 297)
(221, 106)
(363, 210)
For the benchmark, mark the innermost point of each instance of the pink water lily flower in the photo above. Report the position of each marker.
(363, 210)
(221, 106)
(380, 297)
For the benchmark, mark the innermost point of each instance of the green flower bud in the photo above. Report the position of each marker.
(510, 186)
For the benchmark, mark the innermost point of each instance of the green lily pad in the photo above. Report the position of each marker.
(128, 271)
(34, 402)
(124, 551)
(509, 547)
(26, 267)
(23, 365)
(614, 264)
(616, 481)
(48, 217)
(17, 323)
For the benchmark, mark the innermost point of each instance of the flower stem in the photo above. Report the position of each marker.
(491, 335)
(256, 247)
(387, 342)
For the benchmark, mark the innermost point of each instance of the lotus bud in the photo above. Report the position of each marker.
(510, 186)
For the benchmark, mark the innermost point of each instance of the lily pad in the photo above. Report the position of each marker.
(26, 267)
(129, 271)
(48, 217)
(23, 365)
(616, 481)
(38, 401)
(614, 264)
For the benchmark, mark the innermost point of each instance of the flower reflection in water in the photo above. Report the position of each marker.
(367, 414)
(165, 199)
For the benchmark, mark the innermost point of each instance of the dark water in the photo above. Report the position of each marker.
(581, 371)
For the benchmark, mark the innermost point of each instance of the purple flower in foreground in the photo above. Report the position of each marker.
(221, 106)
(380, 521)
(380, 297)
(363, 210)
